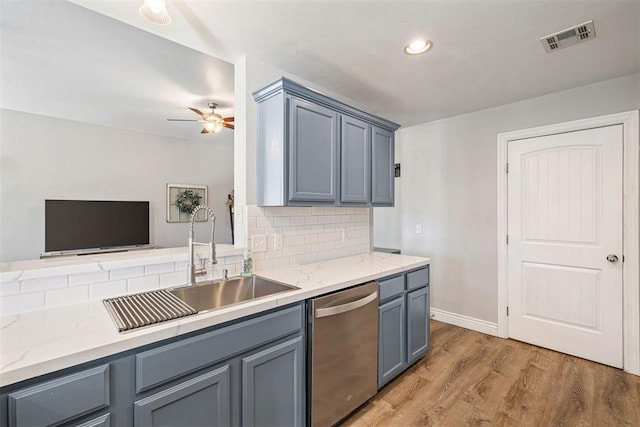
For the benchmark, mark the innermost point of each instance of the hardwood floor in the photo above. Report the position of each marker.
(469, 378)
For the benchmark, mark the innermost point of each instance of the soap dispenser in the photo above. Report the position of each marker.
(247, 264)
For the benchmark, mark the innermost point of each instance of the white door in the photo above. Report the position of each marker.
(564, 220)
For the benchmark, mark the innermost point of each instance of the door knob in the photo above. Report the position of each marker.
(612, 258)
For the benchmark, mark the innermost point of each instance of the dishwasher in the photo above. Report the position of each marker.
(343, 331)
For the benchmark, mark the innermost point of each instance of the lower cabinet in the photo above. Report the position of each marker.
(200, 401)
(250, 372)
(273, 386)
(391, 339)
(403, 322)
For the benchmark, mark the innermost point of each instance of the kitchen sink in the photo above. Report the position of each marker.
(206, 296)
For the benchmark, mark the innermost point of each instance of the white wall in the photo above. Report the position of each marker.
(46, 158)
(449, 187)
(386, 221)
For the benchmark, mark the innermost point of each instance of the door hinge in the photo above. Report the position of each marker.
(507, 311)
(506, 168)
(507, 239)
(622, 257)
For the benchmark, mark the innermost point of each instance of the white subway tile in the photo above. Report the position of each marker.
(9, 288)
(43, 284)
(289, 211)
(328, 245)
(141, 284)
(126, 273)
(293, 240)
(289, 250)
(353, 211)
(66, 296)
(310, 238)
(316, 247)
(182, 265)
(273, 254)
(107, 289)
(234, 259)
(336, 253)
(304, 249)
(14, 304)
(253, 211)
(297, 220)
(304, 211)
(282, 221)
(280, 262)
(312, 257)
(263, 222)
(317, 210)
(173, 279)
(341, 211)
(154, 269)
(311, 219)
(88, 278)
(251, 222)
(264, 264)
(329, 211)
(273, 211)
(324, 255)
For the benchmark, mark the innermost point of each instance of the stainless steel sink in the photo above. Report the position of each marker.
(210, 295)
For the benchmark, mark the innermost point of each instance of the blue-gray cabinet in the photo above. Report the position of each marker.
(382, 179)
(355, 172)
(403, 322)
(200, 401)
(391, 340)
(314, 150)
(313, 159)
(273, 386)
(246, 372)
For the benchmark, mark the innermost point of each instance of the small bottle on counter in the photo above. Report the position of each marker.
(247, 265)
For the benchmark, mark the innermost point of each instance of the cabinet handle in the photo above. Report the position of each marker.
(331, 311)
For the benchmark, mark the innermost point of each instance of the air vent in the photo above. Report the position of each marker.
(569, 37)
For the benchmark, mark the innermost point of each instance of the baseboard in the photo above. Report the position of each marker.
(489, 328)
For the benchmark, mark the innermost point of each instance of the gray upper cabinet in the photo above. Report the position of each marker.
(313, 150)
(355, 173)
(382, 193)
(313, 131)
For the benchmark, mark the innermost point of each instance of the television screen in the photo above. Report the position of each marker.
(88, 224)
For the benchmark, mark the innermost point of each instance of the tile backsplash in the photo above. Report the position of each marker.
(309, 234)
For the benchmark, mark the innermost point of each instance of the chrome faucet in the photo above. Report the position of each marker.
(192, 272)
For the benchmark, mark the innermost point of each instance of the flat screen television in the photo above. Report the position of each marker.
(94, 225)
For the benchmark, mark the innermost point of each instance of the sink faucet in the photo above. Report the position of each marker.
(192, 272)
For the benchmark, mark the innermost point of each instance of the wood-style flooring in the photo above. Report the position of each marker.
(469, 378)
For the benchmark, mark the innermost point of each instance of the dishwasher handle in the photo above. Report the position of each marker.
(332, 311)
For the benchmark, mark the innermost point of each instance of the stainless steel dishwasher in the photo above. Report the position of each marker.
(344, 352)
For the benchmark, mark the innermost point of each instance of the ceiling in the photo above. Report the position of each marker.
(72, 63)
(486, 52)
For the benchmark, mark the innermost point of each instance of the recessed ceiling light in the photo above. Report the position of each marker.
(418, 46)
(155, 11)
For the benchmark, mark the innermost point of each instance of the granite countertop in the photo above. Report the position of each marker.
(40, 342)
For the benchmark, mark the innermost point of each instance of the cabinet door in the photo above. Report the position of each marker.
(355, 167)
(200, 401)
(382, 174)
(391, 341)
(273, 391)
(417, 323)
(313, 136)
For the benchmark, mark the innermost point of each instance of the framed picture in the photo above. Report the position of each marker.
(182, 199)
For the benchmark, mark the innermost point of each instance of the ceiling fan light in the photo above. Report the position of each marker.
(210, 126)
(155, 11)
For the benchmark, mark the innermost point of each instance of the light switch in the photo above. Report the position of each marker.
(259, 243)
(277, 241)
(418, 228)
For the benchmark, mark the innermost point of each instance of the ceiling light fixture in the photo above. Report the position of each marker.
(418, 47)
(155, 11)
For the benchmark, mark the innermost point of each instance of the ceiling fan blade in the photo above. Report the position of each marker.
(195, 110)
(182, 120)
(204, 130)
(227, 125)
(228, 119)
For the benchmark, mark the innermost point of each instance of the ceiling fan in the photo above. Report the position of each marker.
(213, 122)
